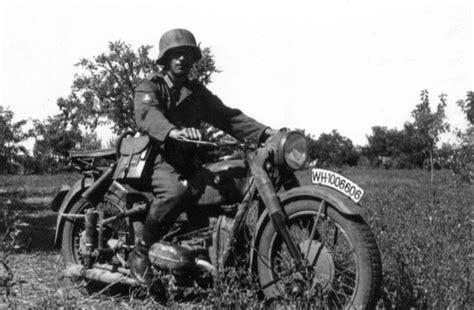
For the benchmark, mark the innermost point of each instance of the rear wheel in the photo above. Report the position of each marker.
(342, 266)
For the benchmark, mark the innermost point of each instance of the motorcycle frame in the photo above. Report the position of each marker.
(90, 188)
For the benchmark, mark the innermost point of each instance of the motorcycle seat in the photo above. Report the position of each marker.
(106, 154)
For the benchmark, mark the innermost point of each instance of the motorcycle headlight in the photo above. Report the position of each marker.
(296, 150)
(292, 150)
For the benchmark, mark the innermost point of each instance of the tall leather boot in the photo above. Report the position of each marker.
(140, 266)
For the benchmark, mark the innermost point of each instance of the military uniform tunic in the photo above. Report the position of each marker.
(161, 106)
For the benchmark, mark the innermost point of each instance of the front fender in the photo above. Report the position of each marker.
(69, 200)
(317, 192)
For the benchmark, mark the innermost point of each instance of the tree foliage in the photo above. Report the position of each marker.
(394, 148)
(463, 158)
(467, 106)
(55, 138)
(101, 93)
(53, 141)
(415, 144)
(332, 149)
(429, 125)
(11, 134)
(104, 90)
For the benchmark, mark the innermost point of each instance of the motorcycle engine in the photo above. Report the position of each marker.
(168, 256)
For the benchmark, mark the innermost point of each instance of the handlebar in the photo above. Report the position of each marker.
(212, 144)
(196, 142)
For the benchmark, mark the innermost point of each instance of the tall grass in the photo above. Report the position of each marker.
(425, 236)
(425, 241)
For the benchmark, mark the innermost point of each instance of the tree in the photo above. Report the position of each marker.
(104, 91)
(463, 161)
(89, 141)
(382, 142)
(411, 148)
(395, 148)
(332, 149)
(415, 144)
(101, 93)
(11, 134)
(429, 125)
(54, 139)
(467, 106)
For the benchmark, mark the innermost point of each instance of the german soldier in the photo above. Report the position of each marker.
(170, 107)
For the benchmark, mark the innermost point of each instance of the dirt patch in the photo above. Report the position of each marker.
(38, 200)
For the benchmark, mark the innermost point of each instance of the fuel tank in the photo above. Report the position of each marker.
(223, 182)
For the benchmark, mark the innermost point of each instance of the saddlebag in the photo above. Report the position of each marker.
(134, 154)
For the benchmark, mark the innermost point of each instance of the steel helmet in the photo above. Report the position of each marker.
(177, 38)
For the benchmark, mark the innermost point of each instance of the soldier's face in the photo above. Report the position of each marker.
(181, 62)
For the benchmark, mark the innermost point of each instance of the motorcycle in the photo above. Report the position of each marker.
(308, 235)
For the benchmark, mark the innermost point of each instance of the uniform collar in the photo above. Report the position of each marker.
(184, 90)
(173, 85)
(168, 81)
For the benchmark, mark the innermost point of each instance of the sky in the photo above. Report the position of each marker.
(315, 65)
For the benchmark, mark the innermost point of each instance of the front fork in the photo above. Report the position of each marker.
(266, 189)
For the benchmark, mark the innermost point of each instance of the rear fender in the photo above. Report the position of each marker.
(312, 192)
(58, 199)
(70, 198)
(116, 192)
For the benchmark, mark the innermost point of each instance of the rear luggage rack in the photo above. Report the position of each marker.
(105, 154)
(91, 161)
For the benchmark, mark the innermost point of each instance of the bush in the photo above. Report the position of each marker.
(332, 149)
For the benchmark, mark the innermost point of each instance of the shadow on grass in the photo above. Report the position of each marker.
(36, 222)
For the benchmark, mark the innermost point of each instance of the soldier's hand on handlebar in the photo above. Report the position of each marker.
(185, 133)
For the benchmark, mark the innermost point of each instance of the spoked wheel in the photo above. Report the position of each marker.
(342, 266)
(73, 237)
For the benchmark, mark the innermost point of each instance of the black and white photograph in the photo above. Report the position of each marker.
(236, 154)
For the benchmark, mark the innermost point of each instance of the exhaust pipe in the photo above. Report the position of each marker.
(98, 274)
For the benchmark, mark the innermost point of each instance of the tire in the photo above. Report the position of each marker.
(73, 229)
(343, 264)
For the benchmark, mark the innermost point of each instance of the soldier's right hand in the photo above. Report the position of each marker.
(185, 133)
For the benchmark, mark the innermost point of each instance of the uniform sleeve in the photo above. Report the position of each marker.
(149, 114)
(231, 121)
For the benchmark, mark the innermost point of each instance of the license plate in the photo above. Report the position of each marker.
(337, 182)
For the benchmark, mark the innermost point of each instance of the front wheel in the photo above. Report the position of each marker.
(342, 265)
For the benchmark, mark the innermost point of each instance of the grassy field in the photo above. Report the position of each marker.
(424, 233)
